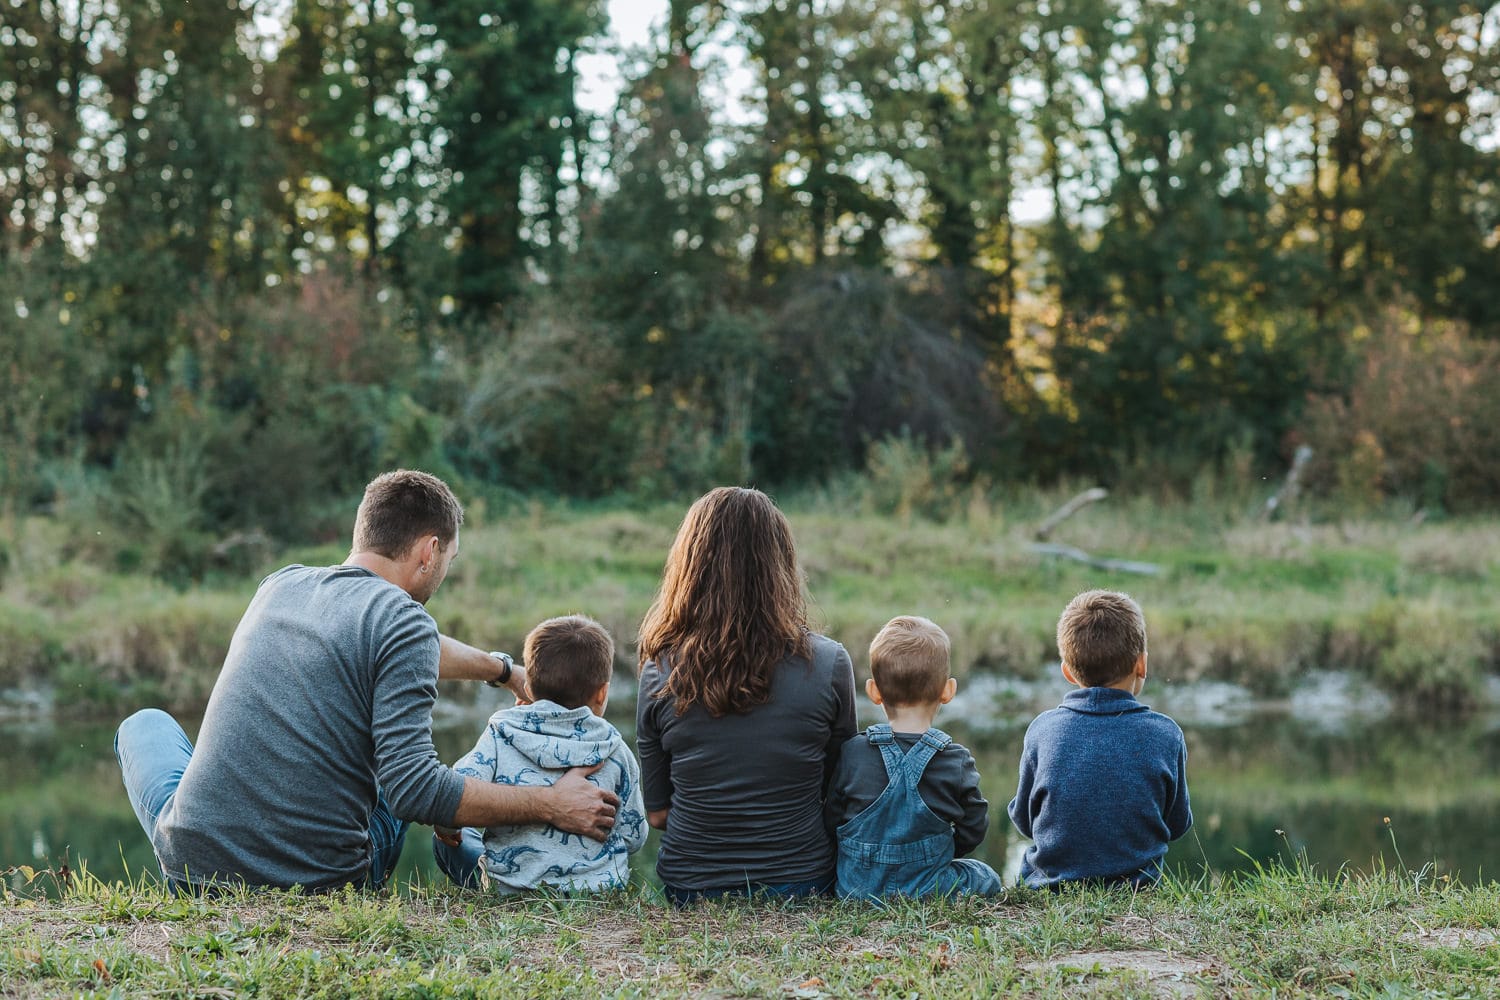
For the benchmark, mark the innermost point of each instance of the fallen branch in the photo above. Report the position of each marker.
(1067, 510)
(1109, 565)
(1289, 486)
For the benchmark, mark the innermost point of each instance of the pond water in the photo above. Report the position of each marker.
(1266, 782)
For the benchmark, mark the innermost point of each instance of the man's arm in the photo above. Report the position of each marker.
(573, 804)
(458, 661)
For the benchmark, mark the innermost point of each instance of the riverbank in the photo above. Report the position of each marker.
(1291, 931)
(1403, 605)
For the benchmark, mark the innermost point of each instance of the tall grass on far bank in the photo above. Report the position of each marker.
(1405, 604)
(1284, 930)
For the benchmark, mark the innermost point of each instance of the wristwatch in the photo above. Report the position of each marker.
(506, 663)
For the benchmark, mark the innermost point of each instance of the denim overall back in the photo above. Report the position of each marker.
(897, 846)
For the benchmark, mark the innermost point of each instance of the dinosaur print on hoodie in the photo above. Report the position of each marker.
(534, 745)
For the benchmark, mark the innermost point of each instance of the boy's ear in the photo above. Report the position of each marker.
(601, 696)
(1069, 676)
(872, 691)
(1140, 666)
(950, 688)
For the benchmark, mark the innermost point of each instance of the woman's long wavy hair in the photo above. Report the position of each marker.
(731, 605)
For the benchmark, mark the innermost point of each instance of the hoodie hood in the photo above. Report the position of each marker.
(555, 737)
(1101, 701)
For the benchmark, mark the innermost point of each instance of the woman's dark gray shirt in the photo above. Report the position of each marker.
(746, 790)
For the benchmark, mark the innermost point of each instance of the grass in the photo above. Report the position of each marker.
(1282, 930)
(1404, 604)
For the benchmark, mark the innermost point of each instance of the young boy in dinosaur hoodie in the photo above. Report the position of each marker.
(568, 663)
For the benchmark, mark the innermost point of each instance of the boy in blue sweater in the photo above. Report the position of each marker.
(1103, 785)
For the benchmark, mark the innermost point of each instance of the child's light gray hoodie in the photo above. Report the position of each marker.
(534, 745)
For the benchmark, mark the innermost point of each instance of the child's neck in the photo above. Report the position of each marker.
(1128, 684)
(911, 718)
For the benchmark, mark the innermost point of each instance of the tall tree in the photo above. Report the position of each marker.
(351, 113)
(1175, 233)
(502, 78)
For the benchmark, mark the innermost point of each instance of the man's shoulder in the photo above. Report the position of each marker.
(354, 577)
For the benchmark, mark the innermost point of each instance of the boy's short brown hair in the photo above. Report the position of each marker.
(909, 661)
(1100, 635)
(568, 659)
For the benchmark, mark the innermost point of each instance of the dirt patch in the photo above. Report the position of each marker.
(1453, 937)
(1167, 975)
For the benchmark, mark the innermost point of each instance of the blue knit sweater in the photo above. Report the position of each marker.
(1103, 789)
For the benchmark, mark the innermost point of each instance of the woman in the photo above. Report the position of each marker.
(741, 710)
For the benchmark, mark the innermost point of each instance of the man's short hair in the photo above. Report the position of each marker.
(1100, 635)
(909, 661)
(403, 507)
(568, 659)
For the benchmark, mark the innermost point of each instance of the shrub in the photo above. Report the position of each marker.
(1419, 418)
(904, 477)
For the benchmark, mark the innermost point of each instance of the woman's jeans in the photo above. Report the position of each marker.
(760, 890)
(153, 752)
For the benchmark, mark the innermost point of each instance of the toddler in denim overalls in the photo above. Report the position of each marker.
(904, 802)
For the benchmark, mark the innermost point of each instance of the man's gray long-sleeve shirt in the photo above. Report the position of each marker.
(327, 690)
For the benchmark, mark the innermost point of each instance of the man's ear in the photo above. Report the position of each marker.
(428, 550)
(872, 691)
(950, 688)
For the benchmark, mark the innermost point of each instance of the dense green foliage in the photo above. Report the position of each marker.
(248, 259)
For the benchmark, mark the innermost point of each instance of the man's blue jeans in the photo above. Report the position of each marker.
(153, 752)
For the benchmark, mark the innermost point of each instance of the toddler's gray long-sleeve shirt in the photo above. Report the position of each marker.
(327, 690)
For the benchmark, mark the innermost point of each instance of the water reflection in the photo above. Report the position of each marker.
(1269, 785)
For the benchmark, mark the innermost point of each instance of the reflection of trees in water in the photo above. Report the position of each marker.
(63, 801)
(1327, 788)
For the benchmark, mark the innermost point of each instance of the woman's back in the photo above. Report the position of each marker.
(745, 790)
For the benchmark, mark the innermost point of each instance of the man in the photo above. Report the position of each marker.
(316, 747)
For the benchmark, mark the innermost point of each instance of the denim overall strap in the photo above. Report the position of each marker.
(881, 737)
(919, 756)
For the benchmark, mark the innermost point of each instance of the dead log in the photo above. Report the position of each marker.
(1067, 510)
(1108, 565)
(1290, 486)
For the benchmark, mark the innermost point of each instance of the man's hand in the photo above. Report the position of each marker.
(577, 805)
(517, 684)
(448, 835)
